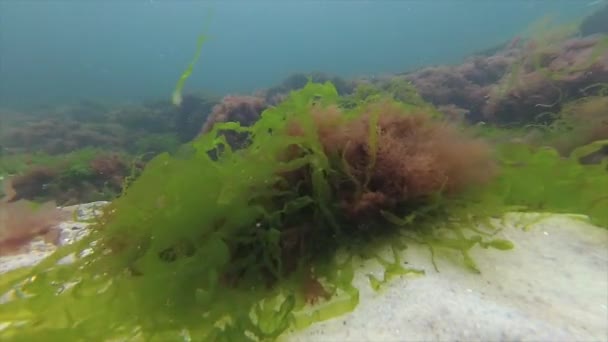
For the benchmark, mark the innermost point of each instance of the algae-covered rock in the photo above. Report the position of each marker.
(217, 243)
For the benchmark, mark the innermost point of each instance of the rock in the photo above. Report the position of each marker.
(83, 215)
(553, 286)
(70, 231)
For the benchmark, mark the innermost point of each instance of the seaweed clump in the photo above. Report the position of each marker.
(84, 175)
(540, 179)
(297, 81)
(393, 157)
(546, 75)
(245, 110)
(579, 123)
(231, 244)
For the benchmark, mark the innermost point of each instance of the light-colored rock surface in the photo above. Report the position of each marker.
(69, 231)
(83, 214)
(553, 286)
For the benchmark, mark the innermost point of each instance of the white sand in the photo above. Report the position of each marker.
(552, 287)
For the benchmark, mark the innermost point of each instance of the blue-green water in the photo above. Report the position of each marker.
(62, 51)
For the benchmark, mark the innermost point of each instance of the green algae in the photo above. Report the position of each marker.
(540, 48)
(579, 122)
(161, 269)
(176, 98)
(400, 90)
(541, 180)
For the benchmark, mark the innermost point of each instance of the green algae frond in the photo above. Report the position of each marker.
(176, 98)
(543, 181)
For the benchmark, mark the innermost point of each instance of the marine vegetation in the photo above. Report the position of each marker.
(276, 94)
(245, 110)
(84, 175)
(547, 75)
(233, 244)
(523, 80)
(125, 128)
(580, 122)
(80, 153)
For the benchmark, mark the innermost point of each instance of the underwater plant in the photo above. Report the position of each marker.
(81, 176)
(236, 246)
(176, 98)
(411, 157)
(465, 87)
(533, 74)
(135, 129)
(154, 144)
(579, 123)
(540, 179)
(253, 228)
(245, 110)
(276, 94)
(222, 244)
(547, 74)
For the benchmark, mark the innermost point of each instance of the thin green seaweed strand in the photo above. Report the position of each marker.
(176, 98)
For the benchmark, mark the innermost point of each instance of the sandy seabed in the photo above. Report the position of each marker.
(553, 286)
